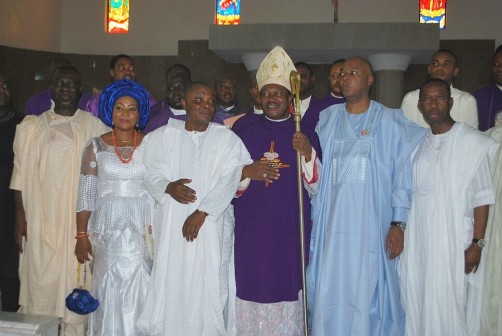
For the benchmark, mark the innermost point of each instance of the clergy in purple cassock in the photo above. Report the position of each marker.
(255, 112)
(360, 207)
(489, 98)
(121, 67)
(178, 77)
(267, 237)
(334, 97)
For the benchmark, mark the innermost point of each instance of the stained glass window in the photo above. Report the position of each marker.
(117, 18)
(433, 11)
(228, 12)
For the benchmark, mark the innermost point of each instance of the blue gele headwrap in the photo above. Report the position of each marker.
(121, 88)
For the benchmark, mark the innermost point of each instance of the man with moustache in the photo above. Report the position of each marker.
(47, 156)
(333, 97)
(42, 101)
(441, 269)
(193, 170)
(444, 65)
(489, 98)
(9, 255)
(360, 206)
(267, 239)
(177, 76)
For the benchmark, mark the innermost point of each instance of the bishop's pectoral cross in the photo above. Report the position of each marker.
(272, 159)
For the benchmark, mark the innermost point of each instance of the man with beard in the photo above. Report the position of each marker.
(121, 66)
(178, 77)
(9, 256)
(360, 207)
(489, 98)
(47, 156)
(193, 169)
(444, 65)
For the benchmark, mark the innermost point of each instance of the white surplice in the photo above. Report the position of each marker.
(193, 283)
(451, 177)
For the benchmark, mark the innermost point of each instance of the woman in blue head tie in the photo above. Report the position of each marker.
(114, 211)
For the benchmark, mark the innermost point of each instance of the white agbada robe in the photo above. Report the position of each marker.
(491, 312)
(451, 177)
(48, 151)
(193, 283)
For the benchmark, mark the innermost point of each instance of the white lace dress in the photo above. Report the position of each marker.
(121, 209)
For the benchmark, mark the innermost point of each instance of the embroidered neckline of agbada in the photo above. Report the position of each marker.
(117, 150)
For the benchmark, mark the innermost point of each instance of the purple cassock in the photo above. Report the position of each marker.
(93, 103)
(267, 241)
(160, 113)
(220, 114)
(41, 102)
(311, 116)
(249, 118)
(489, 101)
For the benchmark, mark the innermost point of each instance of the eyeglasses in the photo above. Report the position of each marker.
(123, 68)
(71, 84)
(438, 99)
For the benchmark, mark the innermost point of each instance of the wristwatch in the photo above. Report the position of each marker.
(400, 225)
(480, 242)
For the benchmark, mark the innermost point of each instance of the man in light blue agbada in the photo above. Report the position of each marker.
(360, 209)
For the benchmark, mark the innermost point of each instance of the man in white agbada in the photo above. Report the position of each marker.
(444, 65)
(441, 267)
(491, 311)
(48, 150)
(193, 170)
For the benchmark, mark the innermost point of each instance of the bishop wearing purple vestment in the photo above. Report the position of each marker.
(267, 237)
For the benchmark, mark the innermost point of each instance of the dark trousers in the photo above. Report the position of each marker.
(10, 294)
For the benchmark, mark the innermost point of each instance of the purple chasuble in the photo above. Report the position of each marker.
(311, 116)
(160, 114)
(489, 100)
(267, 240)
(41, 102)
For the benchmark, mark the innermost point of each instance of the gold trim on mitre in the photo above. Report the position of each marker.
(275, 69)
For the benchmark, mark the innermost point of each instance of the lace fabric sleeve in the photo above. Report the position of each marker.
(87, 188)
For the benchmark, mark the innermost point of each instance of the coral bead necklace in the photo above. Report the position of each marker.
(117, 150)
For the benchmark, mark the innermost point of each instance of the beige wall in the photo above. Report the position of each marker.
(31, 24)
(466, 19)
(158, 25)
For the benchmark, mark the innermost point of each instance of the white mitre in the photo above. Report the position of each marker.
(275, 69)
